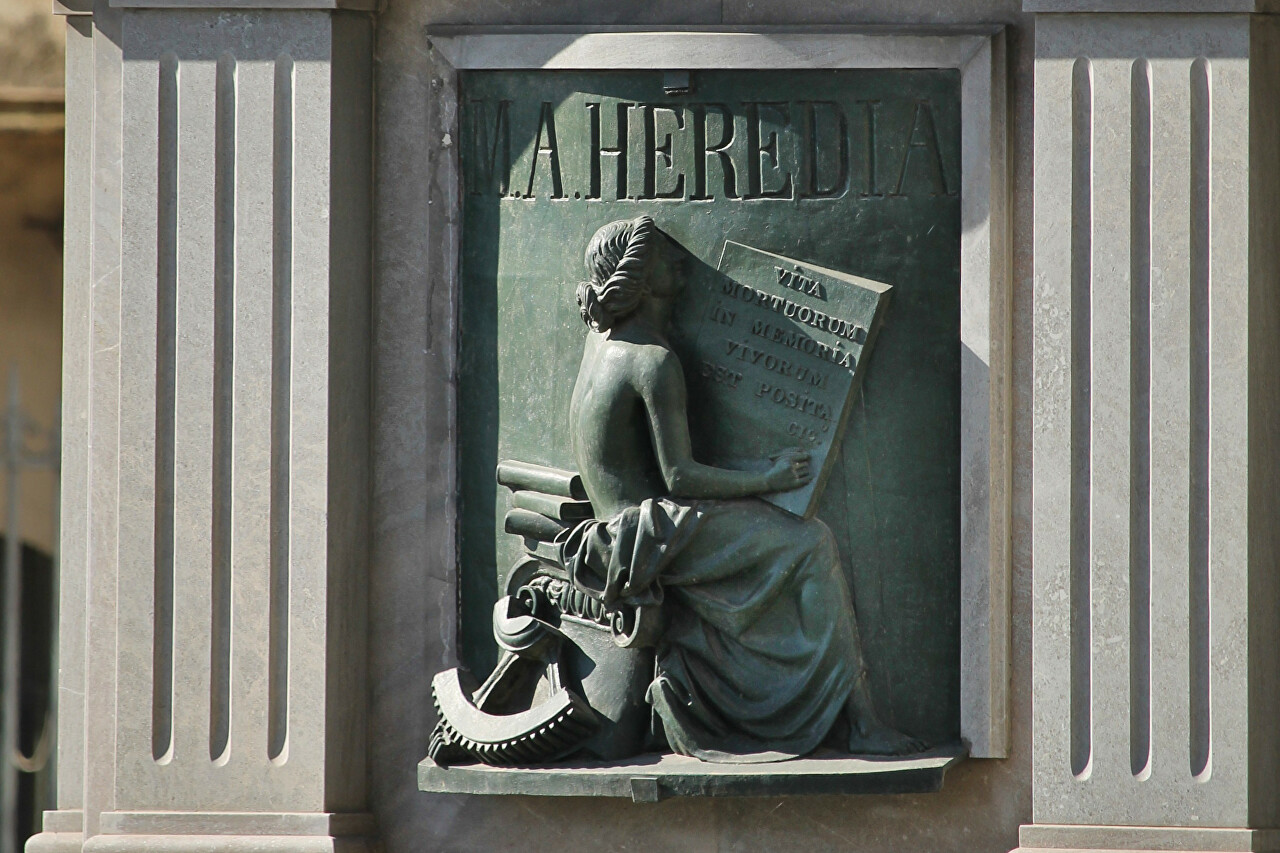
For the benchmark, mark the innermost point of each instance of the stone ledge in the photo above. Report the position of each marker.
(63, 820)
(72, 8)
(1152, 7)
(55, 842)
(246, 5)
(650, 778)
(237, 823)
(232, 832)
(227, 844)
(1064, 838)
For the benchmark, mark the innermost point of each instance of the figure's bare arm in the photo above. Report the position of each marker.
(660, 384)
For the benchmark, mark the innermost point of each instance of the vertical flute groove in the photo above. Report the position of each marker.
(224, 156)
(166, 344)
(1201, 187)
(1140, 428)
(1081, 410)
(281, 392)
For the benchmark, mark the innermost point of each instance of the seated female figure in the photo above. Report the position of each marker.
(759, 657)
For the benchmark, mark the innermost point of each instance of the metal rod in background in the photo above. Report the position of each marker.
(54, 460)
(12, 600)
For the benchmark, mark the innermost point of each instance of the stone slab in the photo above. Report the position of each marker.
(61, 832)
(1147, 839)
(233, 832)
(650, 778)
(69, 820)
(242, 5)
(226, 844)
(55, 842)
(337, 824)
(1164, 7)
(72, 8)
(714, 48)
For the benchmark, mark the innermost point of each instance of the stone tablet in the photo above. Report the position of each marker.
(778, 352)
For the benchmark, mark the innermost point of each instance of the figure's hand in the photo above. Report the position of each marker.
(790, 471)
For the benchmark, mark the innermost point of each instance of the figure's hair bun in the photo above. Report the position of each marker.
(616, 259)
(593, 313)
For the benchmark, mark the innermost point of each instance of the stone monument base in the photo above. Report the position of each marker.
(1146, 839)
(231, 832)
(63, 832)
(650, 778)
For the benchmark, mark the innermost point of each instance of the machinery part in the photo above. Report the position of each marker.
(546, 731)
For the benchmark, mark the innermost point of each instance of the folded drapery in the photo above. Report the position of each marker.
(760, 649)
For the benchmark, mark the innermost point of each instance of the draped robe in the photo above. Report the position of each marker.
(760, 648)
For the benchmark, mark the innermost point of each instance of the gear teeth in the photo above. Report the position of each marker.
(553, 739)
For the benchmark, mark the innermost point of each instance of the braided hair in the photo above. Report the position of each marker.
(616, 257)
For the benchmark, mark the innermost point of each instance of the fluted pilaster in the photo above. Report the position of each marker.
(1155, 437)
(221, 547)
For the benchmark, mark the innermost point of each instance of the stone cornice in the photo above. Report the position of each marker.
(1152, 7)
(227, 5)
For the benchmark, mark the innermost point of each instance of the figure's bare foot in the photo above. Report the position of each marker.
(875, 738)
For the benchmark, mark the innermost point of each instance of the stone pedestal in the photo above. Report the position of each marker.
(216, 390)
(1156, 440)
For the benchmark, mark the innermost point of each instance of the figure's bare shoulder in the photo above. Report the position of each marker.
(643, 361)
(656, 370)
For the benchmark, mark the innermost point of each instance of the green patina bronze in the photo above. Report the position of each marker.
(776, 349)
(853, 172)
(759, 655)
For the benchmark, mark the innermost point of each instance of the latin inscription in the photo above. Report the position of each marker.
(779, 346)
(776, 364)
(800, 282)
(720, 373)
(615, 150)
(806, 314)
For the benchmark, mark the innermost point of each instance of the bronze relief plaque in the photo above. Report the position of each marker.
(817, 218)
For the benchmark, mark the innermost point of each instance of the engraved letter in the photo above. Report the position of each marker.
(703, 153)
(758, 148)
(869, 112)
(653, 149)
(812, 186)
(488, 169)
(545, 146)
(924, 138)
(598, 150)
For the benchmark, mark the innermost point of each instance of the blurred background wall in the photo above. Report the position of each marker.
(31, 160)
